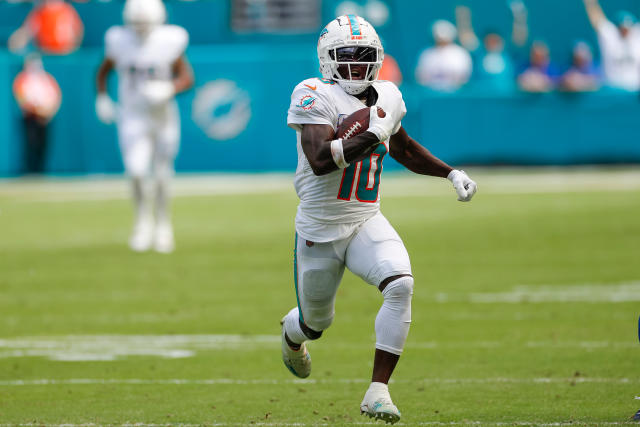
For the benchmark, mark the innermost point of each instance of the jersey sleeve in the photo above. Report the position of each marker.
(393, 103)
(310, 104)
(176, 39)
(112, 42)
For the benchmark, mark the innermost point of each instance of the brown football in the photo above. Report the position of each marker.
(356, 123)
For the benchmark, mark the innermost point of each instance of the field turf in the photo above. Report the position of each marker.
(525, 309)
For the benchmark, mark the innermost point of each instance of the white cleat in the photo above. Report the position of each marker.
(297, 361)
(163, 241)
(142, 236)
(377, 404)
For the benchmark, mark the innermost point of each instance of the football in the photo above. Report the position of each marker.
(356, 123)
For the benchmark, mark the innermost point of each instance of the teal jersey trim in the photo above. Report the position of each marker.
(295, 275)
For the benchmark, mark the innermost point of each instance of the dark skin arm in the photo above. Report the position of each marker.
(181, 69)
(103, 72)
(409, 153)
(316, 144)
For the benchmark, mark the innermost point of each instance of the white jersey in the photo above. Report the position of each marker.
(332, 206)
(139, 60)
(620, 56)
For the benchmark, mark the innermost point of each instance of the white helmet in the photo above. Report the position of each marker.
(143, 15)
(359, 44)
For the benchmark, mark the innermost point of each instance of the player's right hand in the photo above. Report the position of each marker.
(382, 127)
(105, 109)
(465, 186)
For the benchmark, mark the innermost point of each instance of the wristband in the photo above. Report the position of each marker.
(338, 154)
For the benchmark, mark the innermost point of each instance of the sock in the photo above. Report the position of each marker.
(292, 327)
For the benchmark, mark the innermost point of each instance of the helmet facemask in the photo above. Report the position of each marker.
(350, 53)
(354, 67)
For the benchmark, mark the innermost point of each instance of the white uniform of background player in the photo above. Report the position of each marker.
(144, 53)
(339, 223)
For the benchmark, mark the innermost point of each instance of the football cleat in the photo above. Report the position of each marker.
(377, 404)
(297, 361)
(163, 240)
(142, 236)
(636, 417)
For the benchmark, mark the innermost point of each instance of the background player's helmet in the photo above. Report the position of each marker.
(143, 15)
(347, 41)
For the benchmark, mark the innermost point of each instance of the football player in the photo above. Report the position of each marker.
(152, 68)
(338, 222)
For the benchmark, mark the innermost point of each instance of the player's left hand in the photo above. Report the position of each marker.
(464, 186)
(158, 92)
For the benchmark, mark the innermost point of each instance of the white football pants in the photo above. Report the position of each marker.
(373, 252)
(148, 139)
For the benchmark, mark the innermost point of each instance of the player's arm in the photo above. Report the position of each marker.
(104, 69)
(409, 153)
(317, 142)
(105, 107)
(182, 75)
(326, 154)
(595, 13)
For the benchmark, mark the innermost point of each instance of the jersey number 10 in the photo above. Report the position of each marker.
(368, 180)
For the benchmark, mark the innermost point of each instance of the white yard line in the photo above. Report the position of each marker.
(351, 423)
(490, 181)
(73, 348)
(230, 381)
(584, 292)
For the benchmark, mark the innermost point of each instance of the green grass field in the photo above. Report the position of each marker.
(525, 308)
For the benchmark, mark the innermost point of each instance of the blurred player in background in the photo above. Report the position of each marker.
(54, 25)
(39, 97)
(152, 68)
(619, 46)
(446, 66)
(339, 222)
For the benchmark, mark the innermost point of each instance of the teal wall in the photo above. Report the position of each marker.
(472, 126)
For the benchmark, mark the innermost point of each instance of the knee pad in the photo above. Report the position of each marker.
(394, 317)
(401, 288)
(318, 297)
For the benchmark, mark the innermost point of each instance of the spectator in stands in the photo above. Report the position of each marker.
(493, 65)
(54, 26)
(446, 66)
(583, 76)
(38, 96)
(540, 74)
(619, 46)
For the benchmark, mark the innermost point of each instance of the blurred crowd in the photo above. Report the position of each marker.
(460, 58)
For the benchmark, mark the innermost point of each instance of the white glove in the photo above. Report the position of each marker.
(382, 127)
(105, 109)
(158, 92)
(464, 186)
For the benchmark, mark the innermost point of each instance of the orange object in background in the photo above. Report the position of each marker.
(37, 92)
(390, 70)
(56, 27)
